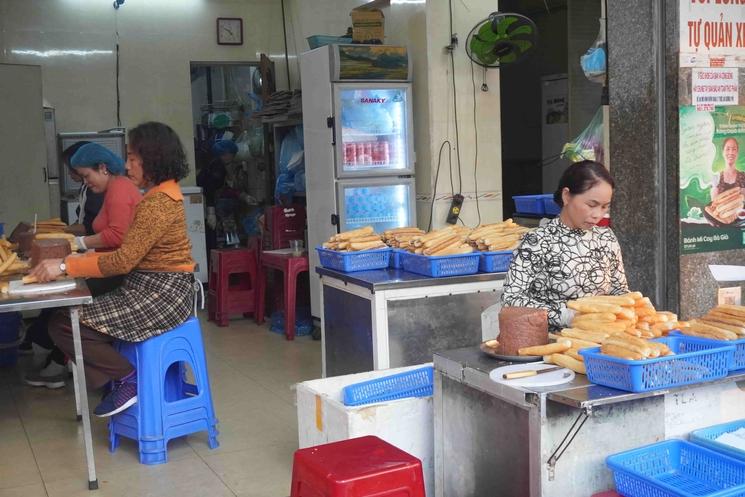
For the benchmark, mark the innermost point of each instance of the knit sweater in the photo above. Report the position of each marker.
(156, 241)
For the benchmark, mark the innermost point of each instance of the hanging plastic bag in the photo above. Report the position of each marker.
(589, 144)
(594, 61)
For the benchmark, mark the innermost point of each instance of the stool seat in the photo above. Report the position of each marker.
(167, 406)
(291, 267)
(358, 467)
(226, 297)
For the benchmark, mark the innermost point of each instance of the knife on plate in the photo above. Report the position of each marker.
(529, 372)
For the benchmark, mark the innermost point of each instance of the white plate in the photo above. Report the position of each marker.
(557, 377)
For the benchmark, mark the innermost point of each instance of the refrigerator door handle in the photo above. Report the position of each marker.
(331, 123)
(335, 222)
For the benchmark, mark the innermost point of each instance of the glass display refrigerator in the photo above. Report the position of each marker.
(359, 150)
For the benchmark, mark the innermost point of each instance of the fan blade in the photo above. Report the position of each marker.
(524, 29)
(500, 24)
(485, 33)
(523, 45)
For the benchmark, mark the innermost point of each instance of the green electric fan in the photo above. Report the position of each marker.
(503, 38)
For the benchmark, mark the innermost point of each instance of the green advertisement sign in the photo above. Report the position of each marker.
(712, 181)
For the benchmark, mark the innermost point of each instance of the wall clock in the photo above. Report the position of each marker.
(229, 31)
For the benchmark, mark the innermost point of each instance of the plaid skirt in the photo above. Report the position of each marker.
(146, 305)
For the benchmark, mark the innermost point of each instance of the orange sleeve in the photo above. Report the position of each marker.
(119, 203)
(84, 266)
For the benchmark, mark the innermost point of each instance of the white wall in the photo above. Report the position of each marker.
(157, 38)
(466, 14)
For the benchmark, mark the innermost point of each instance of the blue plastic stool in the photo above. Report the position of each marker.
(167, 406)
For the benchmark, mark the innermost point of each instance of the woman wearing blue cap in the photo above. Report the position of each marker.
(102, 171)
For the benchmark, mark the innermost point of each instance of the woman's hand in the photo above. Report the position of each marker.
(47, 270)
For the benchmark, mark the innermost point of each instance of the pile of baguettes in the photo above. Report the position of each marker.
(355, 240)
(450, 240)
(53, 225)
(619, 324)
(726, 206)
(9, 262)
(723, 322)
(497, 237)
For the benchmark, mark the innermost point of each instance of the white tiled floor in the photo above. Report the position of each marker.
(252, 371)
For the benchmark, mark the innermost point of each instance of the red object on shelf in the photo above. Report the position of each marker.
(291, 267)
(233, 284)
(609, 493)
(358, 467)
(285, 223)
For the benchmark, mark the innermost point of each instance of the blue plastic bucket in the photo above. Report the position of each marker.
(10, 329)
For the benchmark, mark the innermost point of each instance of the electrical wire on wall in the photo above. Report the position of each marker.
(287, 57)
(453, 40)
(476, 148)
(437, 176)
(118, 99)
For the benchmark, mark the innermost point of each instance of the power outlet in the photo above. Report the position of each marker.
(455, 206)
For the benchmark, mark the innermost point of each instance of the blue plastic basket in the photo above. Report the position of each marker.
(677, 468)
(349, 262)
(694, 361)
(529, 204)
(415, 383)
(441, 265)
(395, 261)
(739, 358)
(495, 262)
(550, 206)
(316, 41)
(707, 437)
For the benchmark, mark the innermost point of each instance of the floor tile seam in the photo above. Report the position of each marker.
(28, 441)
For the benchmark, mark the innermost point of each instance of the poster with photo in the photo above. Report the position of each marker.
(712, 178)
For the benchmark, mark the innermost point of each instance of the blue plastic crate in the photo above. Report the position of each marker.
(529, 204)
(349, 262)
(693, 361)
(395, 261)
(415, 383)
(677, 468)
(495, 262)
(316, 41)
(441, 265)
(550, 206)
(707, 437)
(739, 359)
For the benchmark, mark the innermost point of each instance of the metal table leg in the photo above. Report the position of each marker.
(77, 392)
(83, 394)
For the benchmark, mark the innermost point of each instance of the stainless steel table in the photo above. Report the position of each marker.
(71, 299)
(390, 318)
(496, 439)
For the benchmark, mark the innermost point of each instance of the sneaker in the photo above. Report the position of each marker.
(122, 396)
(52, 375)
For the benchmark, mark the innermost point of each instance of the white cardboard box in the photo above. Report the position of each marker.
(406, 423)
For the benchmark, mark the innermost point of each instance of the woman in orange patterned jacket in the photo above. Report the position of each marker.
(155, 255)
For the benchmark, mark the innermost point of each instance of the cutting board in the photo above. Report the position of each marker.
(17, 287)
(558, 377)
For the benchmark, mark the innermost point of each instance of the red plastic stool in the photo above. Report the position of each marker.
(291, 267)
(224, 298)
(359, 467)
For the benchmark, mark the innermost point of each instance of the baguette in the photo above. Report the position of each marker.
(366, 245)
(599, 327)
(596, 316)
(48, 236)
(346, 235)
(569, 363)
(609, 299)
(574, 354)
(459, 249)
(707, 328)
(10, 260)
(734, 310)
(724, 318)
(620, 352)
(440, 244)
(726, 196)
(584, 335)
(644, 351)
(593, 308)
(634, 295)
(363, 239)
(549, 349)
(734, 329)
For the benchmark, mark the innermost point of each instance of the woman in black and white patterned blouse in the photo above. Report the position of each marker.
(570, 257)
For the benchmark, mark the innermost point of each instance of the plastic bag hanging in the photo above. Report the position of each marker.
(594, 61)
(589, 144)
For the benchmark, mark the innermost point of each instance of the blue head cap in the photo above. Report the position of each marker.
(93, 154)
(222, 147)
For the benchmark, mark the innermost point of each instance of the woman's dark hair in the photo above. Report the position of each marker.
(580, 177)
(163, 156)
